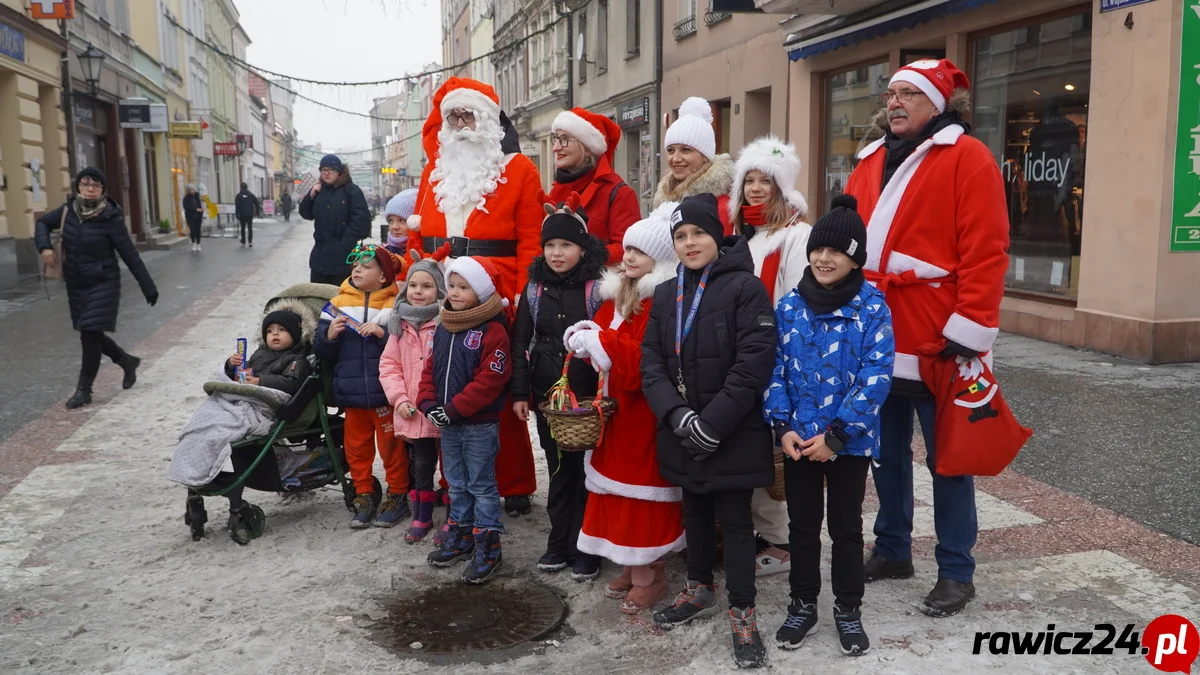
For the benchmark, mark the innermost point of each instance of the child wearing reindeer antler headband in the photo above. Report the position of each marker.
(562, 291)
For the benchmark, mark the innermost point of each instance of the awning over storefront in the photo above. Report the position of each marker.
(853, 32)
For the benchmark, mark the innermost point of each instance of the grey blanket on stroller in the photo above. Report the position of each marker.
(232, 412)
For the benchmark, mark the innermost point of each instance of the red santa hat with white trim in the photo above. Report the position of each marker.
(597, 133)
(482, 276)
(936, 79)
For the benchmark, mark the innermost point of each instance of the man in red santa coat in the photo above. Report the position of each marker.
(478, 197)
(937, 242)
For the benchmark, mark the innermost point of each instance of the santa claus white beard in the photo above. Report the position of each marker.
(469, 164)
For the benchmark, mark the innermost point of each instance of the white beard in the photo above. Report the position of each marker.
(469, 165)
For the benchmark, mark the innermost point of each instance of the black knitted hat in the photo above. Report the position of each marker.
(569, 224)
(93, 173)
(700, 210)
(290, 321)
(842, 229)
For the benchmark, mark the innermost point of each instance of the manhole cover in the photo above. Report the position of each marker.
(456, 618)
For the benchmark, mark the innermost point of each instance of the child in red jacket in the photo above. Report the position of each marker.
(462, 391)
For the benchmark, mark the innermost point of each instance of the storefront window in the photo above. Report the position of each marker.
(1031, 89)
(851, 101)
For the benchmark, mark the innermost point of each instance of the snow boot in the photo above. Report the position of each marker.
(646, 593)
(194, 515)
(393, 510)
(364, 511)
(83, 393)
(129, 364)
(697, 601)
(878, 567)
(585, 568)
(948, 597)
(461, 544)
(748, 648)
(422, 512)
(553, 561)
(518, 506)
(618, 588)
(487, 557)
(246, 522)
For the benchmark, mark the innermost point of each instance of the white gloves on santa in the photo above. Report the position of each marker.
(584, 340)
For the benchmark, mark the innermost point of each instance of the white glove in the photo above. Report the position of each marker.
(587, 343)
(572, 330)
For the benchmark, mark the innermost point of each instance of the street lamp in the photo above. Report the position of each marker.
(92, 60)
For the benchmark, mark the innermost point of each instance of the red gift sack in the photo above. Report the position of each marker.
(975, 433)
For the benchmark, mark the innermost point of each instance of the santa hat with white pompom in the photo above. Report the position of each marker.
(694, 128)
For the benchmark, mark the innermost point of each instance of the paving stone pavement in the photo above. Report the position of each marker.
(98, 573)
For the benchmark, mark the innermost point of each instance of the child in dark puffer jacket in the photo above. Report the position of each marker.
(563, 290)
(282, 360)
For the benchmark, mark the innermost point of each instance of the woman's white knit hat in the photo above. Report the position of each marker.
(693, 128)
(652, 235)
(778, 160)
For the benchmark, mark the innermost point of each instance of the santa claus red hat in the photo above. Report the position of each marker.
(481, 274)
(597, 133)
(935, 79)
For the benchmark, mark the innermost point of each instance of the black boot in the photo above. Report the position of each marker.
(878, 567)
(129, 364)
(83, 393)
(948, 598)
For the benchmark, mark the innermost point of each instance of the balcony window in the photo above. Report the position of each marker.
(601, 36)
(851, 101)
(633, 41)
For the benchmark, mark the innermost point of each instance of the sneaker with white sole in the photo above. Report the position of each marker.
(850, 631)
(697, 601)
(771, 560)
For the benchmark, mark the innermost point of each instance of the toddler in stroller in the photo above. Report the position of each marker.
(270, 421)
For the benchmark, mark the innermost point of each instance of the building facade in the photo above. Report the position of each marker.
(1080, 109)
(34, 169)
(220, 18)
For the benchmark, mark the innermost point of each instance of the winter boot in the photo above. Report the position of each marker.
(129, 364)
(393, 510)
(518, 506)
(460, 545)
(246, 522)
(618, 588)
(444, 534)
(422, 512)
(487, 557)
(878, 567)
(553, 561)
(585, 568)
(948, 598)
(194, 515)
(83, 393)
(801, 619)
(850, 631)
(748, 648)
(364, 511)
(646, 592)
(697, 601)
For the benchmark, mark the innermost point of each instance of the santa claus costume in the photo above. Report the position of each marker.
(778, 238)
(634, 516)
(478, 197)
(610, 204)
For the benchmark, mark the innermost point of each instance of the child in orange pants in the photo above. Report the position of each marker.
(352, 335)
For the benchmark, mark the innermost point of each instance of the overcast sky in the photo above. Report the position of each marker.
(342, 41)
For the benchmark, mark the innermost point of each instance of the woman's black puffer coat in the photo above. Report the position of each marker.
(562, 305)
(90, 268)
(727, 360)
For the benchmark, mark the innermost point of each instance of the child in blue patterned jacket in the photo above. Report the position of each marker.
(833, 370)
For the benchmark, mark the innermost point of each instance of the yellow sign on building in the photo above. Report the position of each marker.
(185, 130)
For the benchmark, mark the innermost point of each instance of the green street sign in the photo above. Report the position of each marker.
(1185, 212)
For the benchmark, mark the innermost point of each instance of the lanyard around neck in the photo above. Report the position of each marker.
(681, 328)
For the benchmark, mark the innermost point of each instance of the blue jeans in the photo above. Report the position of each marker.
(469, 462)
(954, 517)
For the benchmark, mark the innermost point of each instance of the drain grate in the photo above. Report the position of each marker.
(457, 618)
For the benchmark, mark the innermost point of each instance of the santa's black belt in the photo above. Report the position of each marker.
(461, 247)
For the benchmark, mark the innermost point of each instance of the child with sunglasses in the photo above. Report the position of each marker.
(352, 335)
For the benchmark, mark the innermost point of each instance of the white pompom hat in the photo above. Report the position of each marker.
(652, 235)
(480, 273)
(778, 160)
(693, 128)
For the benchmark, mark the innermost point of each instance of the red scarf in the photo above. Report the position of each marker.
(754, 214)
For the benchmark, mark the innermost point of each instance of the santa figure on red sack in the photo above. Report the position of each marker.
(937, 242)
(479, 197)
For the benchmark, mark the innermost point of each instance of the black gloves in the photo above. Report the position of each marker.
(952, 349)
(698, 437)
(438, 417)
(152, 299)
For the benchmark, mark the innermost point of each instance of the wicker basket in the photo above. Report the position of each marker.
(777, 490)
(581, 426)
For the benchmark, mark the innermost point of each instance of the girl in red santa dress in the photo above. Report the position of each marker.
(633, 515)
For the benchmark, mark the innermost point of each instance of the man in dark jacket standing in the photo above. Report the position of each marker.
(340, 218)
(246, 205)
(193, 212)
(285, 206)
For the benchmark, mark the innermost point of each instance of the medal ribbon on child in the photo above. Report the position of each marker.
(682, 329)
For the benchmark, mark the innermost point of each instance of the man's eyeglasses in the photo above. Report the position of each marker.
(905, 95)
(89, 184)
(560, 141)
(464, 116)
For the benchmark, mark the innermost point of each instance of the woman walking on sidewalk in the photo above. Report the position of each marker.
(93, 235)
(193, 212)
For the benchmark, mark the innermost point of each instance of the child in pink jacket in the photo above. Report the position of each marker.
(410, 343)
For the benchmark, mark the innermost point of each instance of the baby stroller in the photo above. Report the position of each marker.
(305, 441)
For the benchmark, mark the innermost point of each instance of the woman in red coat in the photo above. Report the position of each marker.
(584, 143)
(633, 516)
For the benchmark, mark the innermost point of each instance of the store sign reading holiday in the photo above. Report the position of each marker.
(1185, 212)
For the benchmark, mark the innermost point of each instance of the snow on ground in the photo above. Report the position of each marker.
(98, 573)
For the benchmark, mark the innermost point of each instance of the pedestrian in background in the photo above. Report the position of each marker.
(340, 218)
(193, 213)
(285, 205)
(246, 206)
(93, 235)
